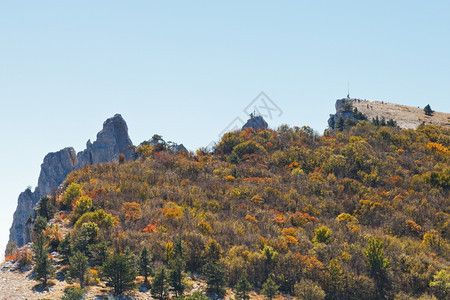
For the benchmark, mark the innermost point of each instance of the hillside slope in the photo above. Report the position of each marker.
(362, 213)
(407, 117)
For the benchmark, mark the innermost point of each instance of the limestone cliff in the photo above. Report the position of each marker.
(112, 140)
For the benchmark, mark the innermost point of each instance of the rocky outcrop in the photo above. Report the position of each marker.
(25, 205)
(56, 166)
(112, 140)
(344, 110)
(255, 122)
(54, 169)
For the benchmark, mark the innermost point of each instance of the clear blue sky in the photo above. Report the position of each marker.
(186, 69)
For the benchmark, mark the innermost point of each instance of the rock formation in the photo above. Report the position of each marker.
(112, 140)
(256, 122)
(344, 110)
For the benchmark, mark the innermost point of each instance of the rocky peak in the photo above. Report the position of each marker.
(255, 122)
(112, 140)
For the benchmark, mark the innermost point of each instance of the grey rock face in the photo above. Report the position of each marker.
(179, 148)
(56, 165)
(25, 205)
(111, 141)
(340, 112)
(257, 122)
(54, 169)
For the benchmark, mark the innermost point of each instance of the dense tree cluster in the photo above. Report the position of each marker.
(362, 213)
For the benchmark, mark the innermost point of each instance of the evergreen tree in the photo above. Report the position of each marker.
(340, 124)
(242, 289)
(86, 236)
(43, 268)
(65, 249)
(79, 267)
(215, 277)
(178, 265)
(377, 263)
(213, 250)
(46, 209)
(428, 111)
(376, 121)
(145, 264)
(270, 259)
(160, 284)
(270, 288)
(99, 252)
(119, 272)
(391, 123)
(39, 225)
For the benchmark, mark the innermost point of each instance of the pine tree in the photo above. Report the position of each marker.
(178, 265)
(242, 289)
(340, 124)
(39, 225)
(428, 111)
(65, 249)
(270, 259)
(270, 288)
(119, 272)
(79, 267)
(376, 121)
(46, 208)
(43, 268)
(215, 277)
(377, 263)
(98, 252)
(160, 284)
(145, 264)
(213, 250)
(86, 236)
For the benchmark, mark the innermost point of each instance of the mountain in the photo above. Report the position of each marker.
(112, 140)
(359, 213)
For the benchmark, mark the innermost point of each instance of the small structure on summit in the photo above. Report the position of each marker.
(255, 122)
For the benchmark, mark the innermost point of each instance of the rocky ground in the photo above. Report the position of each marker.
(16, 283)
(406, 116)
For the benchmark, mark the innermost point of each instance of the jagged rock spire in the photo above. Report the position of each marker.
(112, 140)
